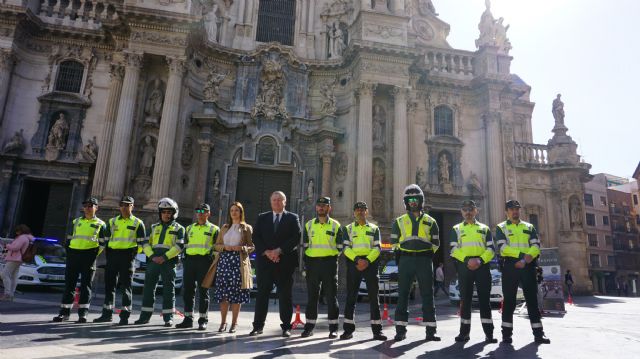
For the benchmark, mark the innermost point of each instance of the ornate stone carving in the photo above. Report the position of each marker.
(383, 31)
(340, 166)
(7, 59)
(338, 9)
(424, 30)
(155, 100)
(159, 38)
(133, 59)
(385, 68)
(310, 189)
(378, 185)
(15, 144)
(444, 169)
(270, 101)
(216, 182)
(211, 91)
(327, 91)
(425, 7)
(557, 109)
(211, 24)
(58, 134)
(89, 152)
(575, 212)
(336, 41)
(116, 71)
(366, 88)
(379, 122)
(421, 177)
(187, 153)
(148, 151)
(493, 32)
(473, 185)
(176, 64)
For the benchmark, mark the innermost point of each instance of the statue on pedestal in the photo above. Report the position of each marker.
(557, 109)
(15, 144)
(153, 107)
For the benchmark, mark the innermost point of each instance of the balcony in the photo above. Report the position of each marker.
(449, 62)
(84, 14)
(531, 154)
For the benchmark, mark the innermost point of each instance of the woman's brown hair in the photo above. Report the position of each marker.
(23, 229)
(239, 205)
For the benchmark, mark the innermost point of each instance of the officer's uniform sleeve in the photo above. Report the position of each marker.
(534, 243)
(146, 245)
(177, 247)
(107, 234)
(395, 234)
(305, 236)
(435, 236)
(141, 236)
(456, 252)
(347, 244)
(489, 251)
(339, 238)
(102, 235)
(374, 253)
(504, 248)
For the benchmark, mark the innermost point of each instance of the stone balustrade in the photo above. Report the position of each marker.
(449, 62)
(531, 154)
(79, 13)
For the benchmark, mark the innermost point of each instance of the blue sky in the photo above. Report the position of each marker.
(588, 51)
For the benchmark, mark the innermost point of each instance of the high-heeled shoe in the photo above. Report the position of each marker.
(222, 328)
(233, 328)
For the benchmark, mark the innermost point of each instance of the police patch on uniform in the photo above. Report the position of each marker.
(173, 232)
(208, 233)
(94, 226)
(369, 233)
(527, 231)
(131, 227)
(331, 233)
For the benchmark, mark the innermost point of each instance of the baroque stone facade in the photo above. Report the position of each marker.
(178, 98)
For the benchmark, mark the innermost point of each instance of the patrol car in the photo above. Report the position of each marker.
(495, 296)
(47, 267)
(140, 264)
(387, 284)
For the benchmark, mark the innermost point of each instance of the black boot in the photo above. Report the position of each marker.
(186, 323)
(202, 323)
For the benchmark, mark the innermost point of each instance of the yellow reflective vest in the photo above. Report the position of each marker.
(516, 240)
(86, 233)
(362, 241)
(124, 232)
(322, 238)
(200, 239)
(170, 245)
(472, 240)
(425, 224)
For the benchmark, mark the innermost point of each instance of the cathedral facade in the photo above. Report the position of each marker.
(222, 100)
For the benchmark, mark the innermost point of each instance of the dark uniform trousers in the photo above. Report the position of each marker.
(322, 271)
(194, 269)
(482, 279)
(511, 277)
(80, 264)
(119, 269)
(268, 274)
(415, 265)
(166, 271)
(354, 277)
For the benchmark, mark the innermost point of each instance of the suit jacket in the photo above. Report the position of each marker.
(287, 238)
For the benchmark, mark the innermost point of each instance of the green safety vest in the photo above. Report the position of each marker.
(322, 238)
(425, 222)
(362, 241)
(200, 238)
(170, 244)
(85, 233)
(517, 240)
(123, 232)
(472, 242)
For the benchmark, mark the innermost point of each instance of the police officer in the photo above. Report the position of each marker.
(125, 234)
(519, 248)
(165, 243)
(322, 242)
(84, 243)
(362, 249)
(415, 238)
(198, 244)
(472, 248)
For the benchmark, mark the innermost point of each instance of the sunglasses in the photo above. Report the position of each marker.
(467, 209)
(201, 211)
(166, 211)
(126, 204)
(412, 200)
(87, 206)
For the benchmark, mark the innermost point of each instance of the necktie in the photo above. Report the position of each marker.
(276, 222)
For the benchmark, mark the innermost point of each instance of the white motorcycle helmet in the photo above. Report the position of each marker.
(168, 203)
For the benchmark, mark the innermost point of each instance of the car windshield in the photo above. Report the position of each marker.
(51, 252)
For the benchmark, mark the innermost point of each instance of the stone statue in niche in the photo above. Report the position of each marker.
(15, 144)
(211, 24)
(443, 169)
(90, 151)
(421, 177)
(216, 182)
(378, 177)
(336, 41)
(187, 152)
(474, 185)
(575, 213)
(557, 109)
(153, 107)
(341, 168)
(310, 190)
(378, 126)
(148, 155)
(58, 134)
(328, 98)
(270, 100)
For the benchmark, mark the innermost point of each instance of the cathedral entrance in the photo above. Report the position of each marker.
(255, 187)
(44, 207)
(446, 220)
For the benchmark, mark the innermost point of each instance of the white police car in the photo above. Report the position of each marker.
(140, 265)
(47, 267)
(495, 296)
(387, 284)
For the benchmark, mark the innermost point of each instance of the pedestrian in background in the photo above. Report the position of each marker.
(13, 260)
(568, 280)
(439, 283)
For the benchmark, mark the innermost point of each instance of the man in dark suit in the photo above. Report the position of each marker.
(276, 236)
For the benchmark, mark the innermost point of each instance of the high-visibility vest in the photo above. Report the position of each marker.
(85, 233)
(200, 238)
(124, 232)
(362, 241)
(169, 246)
(322, 238)
(472, 242)
(518, 240)
(425, 222)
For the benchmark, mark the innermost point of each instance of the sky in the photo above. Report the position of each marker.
(586, 50)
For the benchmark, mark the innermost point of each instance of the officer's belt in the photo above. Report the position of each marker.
(427, 253)
(321, 258)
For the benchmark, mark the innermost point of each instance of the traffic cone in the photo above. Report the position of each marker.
(298, 321)
(570, 300)
(385, 312)
(76, 297)
(501, 306)
(459, 309)
(419, 319)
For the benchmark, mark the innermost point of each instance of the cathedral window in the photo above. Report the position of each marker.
(69, 78)
(276, 21)
(443, 121)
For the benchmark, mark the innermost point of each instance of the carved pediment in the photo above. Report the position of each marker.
(66, 98)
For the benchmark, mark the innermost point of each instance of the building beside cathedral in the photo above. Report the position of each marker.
(223, 100)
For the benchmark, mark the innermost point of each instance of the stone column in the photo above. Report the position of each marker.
(364, 172)
(495, 171)
(104, 149)
(7, 60)
(167, 135)
(398, 7)
(123, 129)
(327, 155)
(203, 163)
(400, 149)
(311, 30)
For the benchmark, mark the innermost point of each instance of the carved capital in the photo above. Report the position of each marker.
(366, 89)
(133, 59)
(491, 118)
(205, 145)
(7, 59)
(326, 149)
(116, 71)
(400, 93)
(176, 65)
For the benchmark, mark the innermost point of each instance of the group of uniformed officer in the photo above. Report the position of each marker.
(414, 236)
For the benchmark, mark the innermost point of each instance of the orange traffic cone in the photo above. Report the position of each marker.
(385, 312)
(298, 321)
(419, 319)
(76, 297)
(570, 299)
(501, 306)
